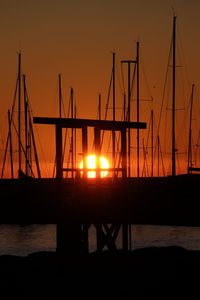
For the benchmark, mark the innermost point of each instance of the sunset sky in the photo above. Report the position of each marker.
(76, 38)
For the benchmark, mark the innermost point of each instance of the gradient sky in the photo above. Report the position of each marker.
(76, 38)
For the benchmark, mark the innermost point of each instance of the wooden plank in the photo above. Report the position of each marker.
(80, 123)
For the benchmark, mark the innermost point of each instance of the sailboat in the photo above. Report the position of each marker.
(26, 143)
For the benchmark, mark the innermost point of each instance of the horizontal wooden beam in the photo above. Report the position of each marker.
(194, 169)
(81, 123)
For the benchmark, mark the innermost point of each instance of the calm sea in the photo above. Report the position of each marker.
(25, 239)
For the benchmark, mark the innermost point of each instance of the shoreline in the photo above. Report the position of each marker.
(161, 272)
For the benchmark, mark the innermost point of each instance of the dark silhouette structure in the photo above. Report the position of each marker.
(111, 204)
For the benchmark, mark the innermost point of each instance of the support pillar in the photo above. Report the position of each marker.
(85, 238)
(125, 237)
(99, 235)
(123, 153)
(68, 239)
(124, 175)
(85, 150)
(97, 142)
(59, 173)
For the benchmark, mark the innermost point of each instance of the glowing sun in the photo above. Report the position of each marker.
(91, 163)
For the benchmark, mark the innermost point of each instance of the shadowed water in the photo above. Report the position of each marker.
(25, 239)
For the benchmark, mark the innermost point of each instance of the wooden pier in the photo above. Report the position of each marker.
(110, 204)
(76, 204)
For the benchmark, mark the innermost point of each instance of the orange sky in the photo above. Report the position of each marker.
(76, 38)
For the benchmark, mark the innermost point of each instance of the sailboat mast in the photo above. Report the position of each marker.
(129, 111)
(60, 95)
(113, 85)
(129, 119)
(99, 107)
(113, 90)
(72, 137)
(152, 148)
(190, 133)
(19, 110)
(35, 149)
(10, 140)
(173, 100)
(26, 125)
(138, 112)
(158, 142)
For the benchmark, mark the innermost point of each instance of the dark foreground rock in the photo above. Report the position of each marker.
(159, 273)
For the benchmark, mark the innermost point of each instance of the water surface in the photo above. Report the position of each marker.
(25, 239)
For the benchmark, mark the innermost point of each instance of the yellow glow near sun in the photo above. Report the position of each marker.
(91, 163)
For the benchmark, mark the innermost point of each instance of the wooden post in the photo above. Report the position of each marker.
(97, 142)
(59, 173)
(99, 234)
(124, 174)
(85, 150)
(123, 153)
(85, 238)
(125, 236)
(68, 239)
